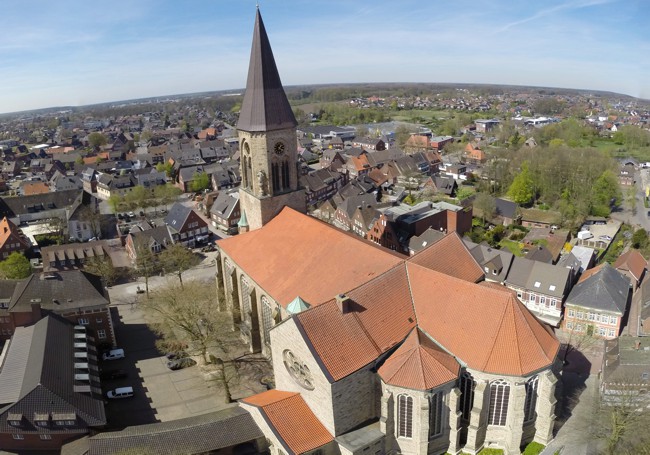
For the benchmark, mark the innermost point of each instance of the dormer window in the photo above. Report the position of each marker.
(537, 284)
(15, 420)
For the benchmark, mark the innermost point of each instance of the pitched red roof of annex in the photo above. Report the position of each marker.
(631, 261)
(449, 255)
(304, 256)
(291, 419)
(419, 364)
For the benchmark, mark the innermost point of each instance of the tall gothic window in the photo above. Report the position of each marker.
(499, 397)
(286, 181)
(246, 298)
(267, 319)
(436, 414)
(275, 177)
(466, 395)
(531, 398)
(404, 416)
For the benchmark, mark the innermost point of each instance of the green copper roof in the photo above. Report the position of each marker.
(243, 222)
(297, 305)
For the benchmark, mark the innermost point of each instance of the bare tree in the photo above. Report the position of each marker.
(146, 263)
(103, 267)
(485, 203)
(177, 259)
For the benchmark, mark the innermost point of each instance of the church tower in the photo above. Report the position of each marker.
(267, 139)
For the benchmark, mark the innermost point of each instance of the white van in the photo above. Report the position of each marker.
(113, 354)
(120, 392)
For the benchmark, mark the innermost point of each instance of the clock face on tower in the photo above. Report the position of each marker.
(279, 148)
(298, 370)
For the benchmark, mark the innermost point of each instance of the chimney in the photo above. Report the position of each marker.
(637, 345)
(343, 302)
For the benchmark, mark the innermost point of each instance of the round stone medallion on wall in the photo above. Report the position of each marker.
(298, 370)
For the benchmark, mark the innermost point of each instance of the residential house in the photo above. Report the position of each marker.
(626, 371)
(12, 239)
(598, 303)
(439, 142)
(626, 175)
(85, 222)
(633, 265)
(417, 143)
(362, 220)
(144, 235)
(442, 184)
(89, 180)
(38, 206)
(62, 182)
(109, 185)
(473, 154)
(50, 390)
(225, 212)
(345, 210)
(455, 171)
(30, 188)
(485, 126)
(77, 296)
(506, 212)
(419, 242)
(540, 286)
(323, 184)
(186, 226)
(332, 159)
(369, 143)
(496, 263)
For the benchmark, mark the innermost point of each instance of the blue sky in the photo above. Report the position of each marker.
(76, 52)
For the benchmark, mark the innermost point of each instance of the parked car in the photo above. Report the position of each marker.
(120, 392)
(113, 374)
(141, 212)
(131, 214)
(208, 248)
(178, 364)
(113, 354)
(605, 237)
(176, 355)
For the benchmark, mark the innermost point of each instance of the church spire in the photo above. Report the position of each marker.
(265, 106)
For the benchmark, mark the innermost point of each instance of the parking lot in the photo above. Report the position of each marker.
(159, 394)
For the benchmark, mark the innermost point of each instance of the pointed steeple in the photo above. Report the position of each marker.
(265, 106)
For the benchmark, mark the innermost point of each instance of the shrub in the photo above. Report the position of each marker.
(534, 448)
(491, 452)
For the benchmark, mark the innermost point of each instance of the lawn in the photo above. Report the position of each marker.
(512, 246)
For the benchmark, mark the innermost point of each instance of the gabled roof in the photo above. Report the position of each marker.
(450, 255)
(177, 216)
(631, 261)
(330, 261)
(295, 425)
(538, 276)
(193, 435)
(265, 106)
(419, 364)
(607, 289)
(31, 382)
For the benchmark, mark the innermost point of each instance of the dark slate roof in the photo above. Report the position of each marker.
(225, 203)
(265, 106)
(59, 291)
(540, 253)
(12, 206)
(492, 258)
(605, 290)
(538, 276)
(505, 208)
(31, 382)
(159, 234)
(427, 238)
(177, 216)
(193, 435)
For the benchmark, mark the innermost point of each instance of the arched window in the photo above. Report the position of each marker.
(466, 395)
(499, 397)
(531, 398)
(404, 416)
(275, 177)
(267, 319)
(436, 414)
(286, 181)
(246, 298)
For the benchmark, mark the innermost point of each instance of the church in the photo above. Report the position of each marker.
(372, 353)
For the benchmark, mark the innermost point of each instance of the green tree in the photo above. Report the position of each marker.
(485, 203)
(606, 192)
(147, 263)
(200, 181)
(115, 202)
(15, 267)
(640, 239)
(166, 167)
(96, 140)
(521, 190)
(178, 259)
(102, 266)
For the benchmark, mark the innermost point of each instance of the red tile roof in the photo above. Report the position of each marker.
(294, 423)
(380, 316)
(419, 364)
(631, 261)
(449, 255)
(484, 327)
(320, 261)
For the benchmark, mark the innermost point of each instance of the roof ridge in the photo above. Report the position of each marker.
(491, 350)
(363, 328)
(514, 321)
(522, 311)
